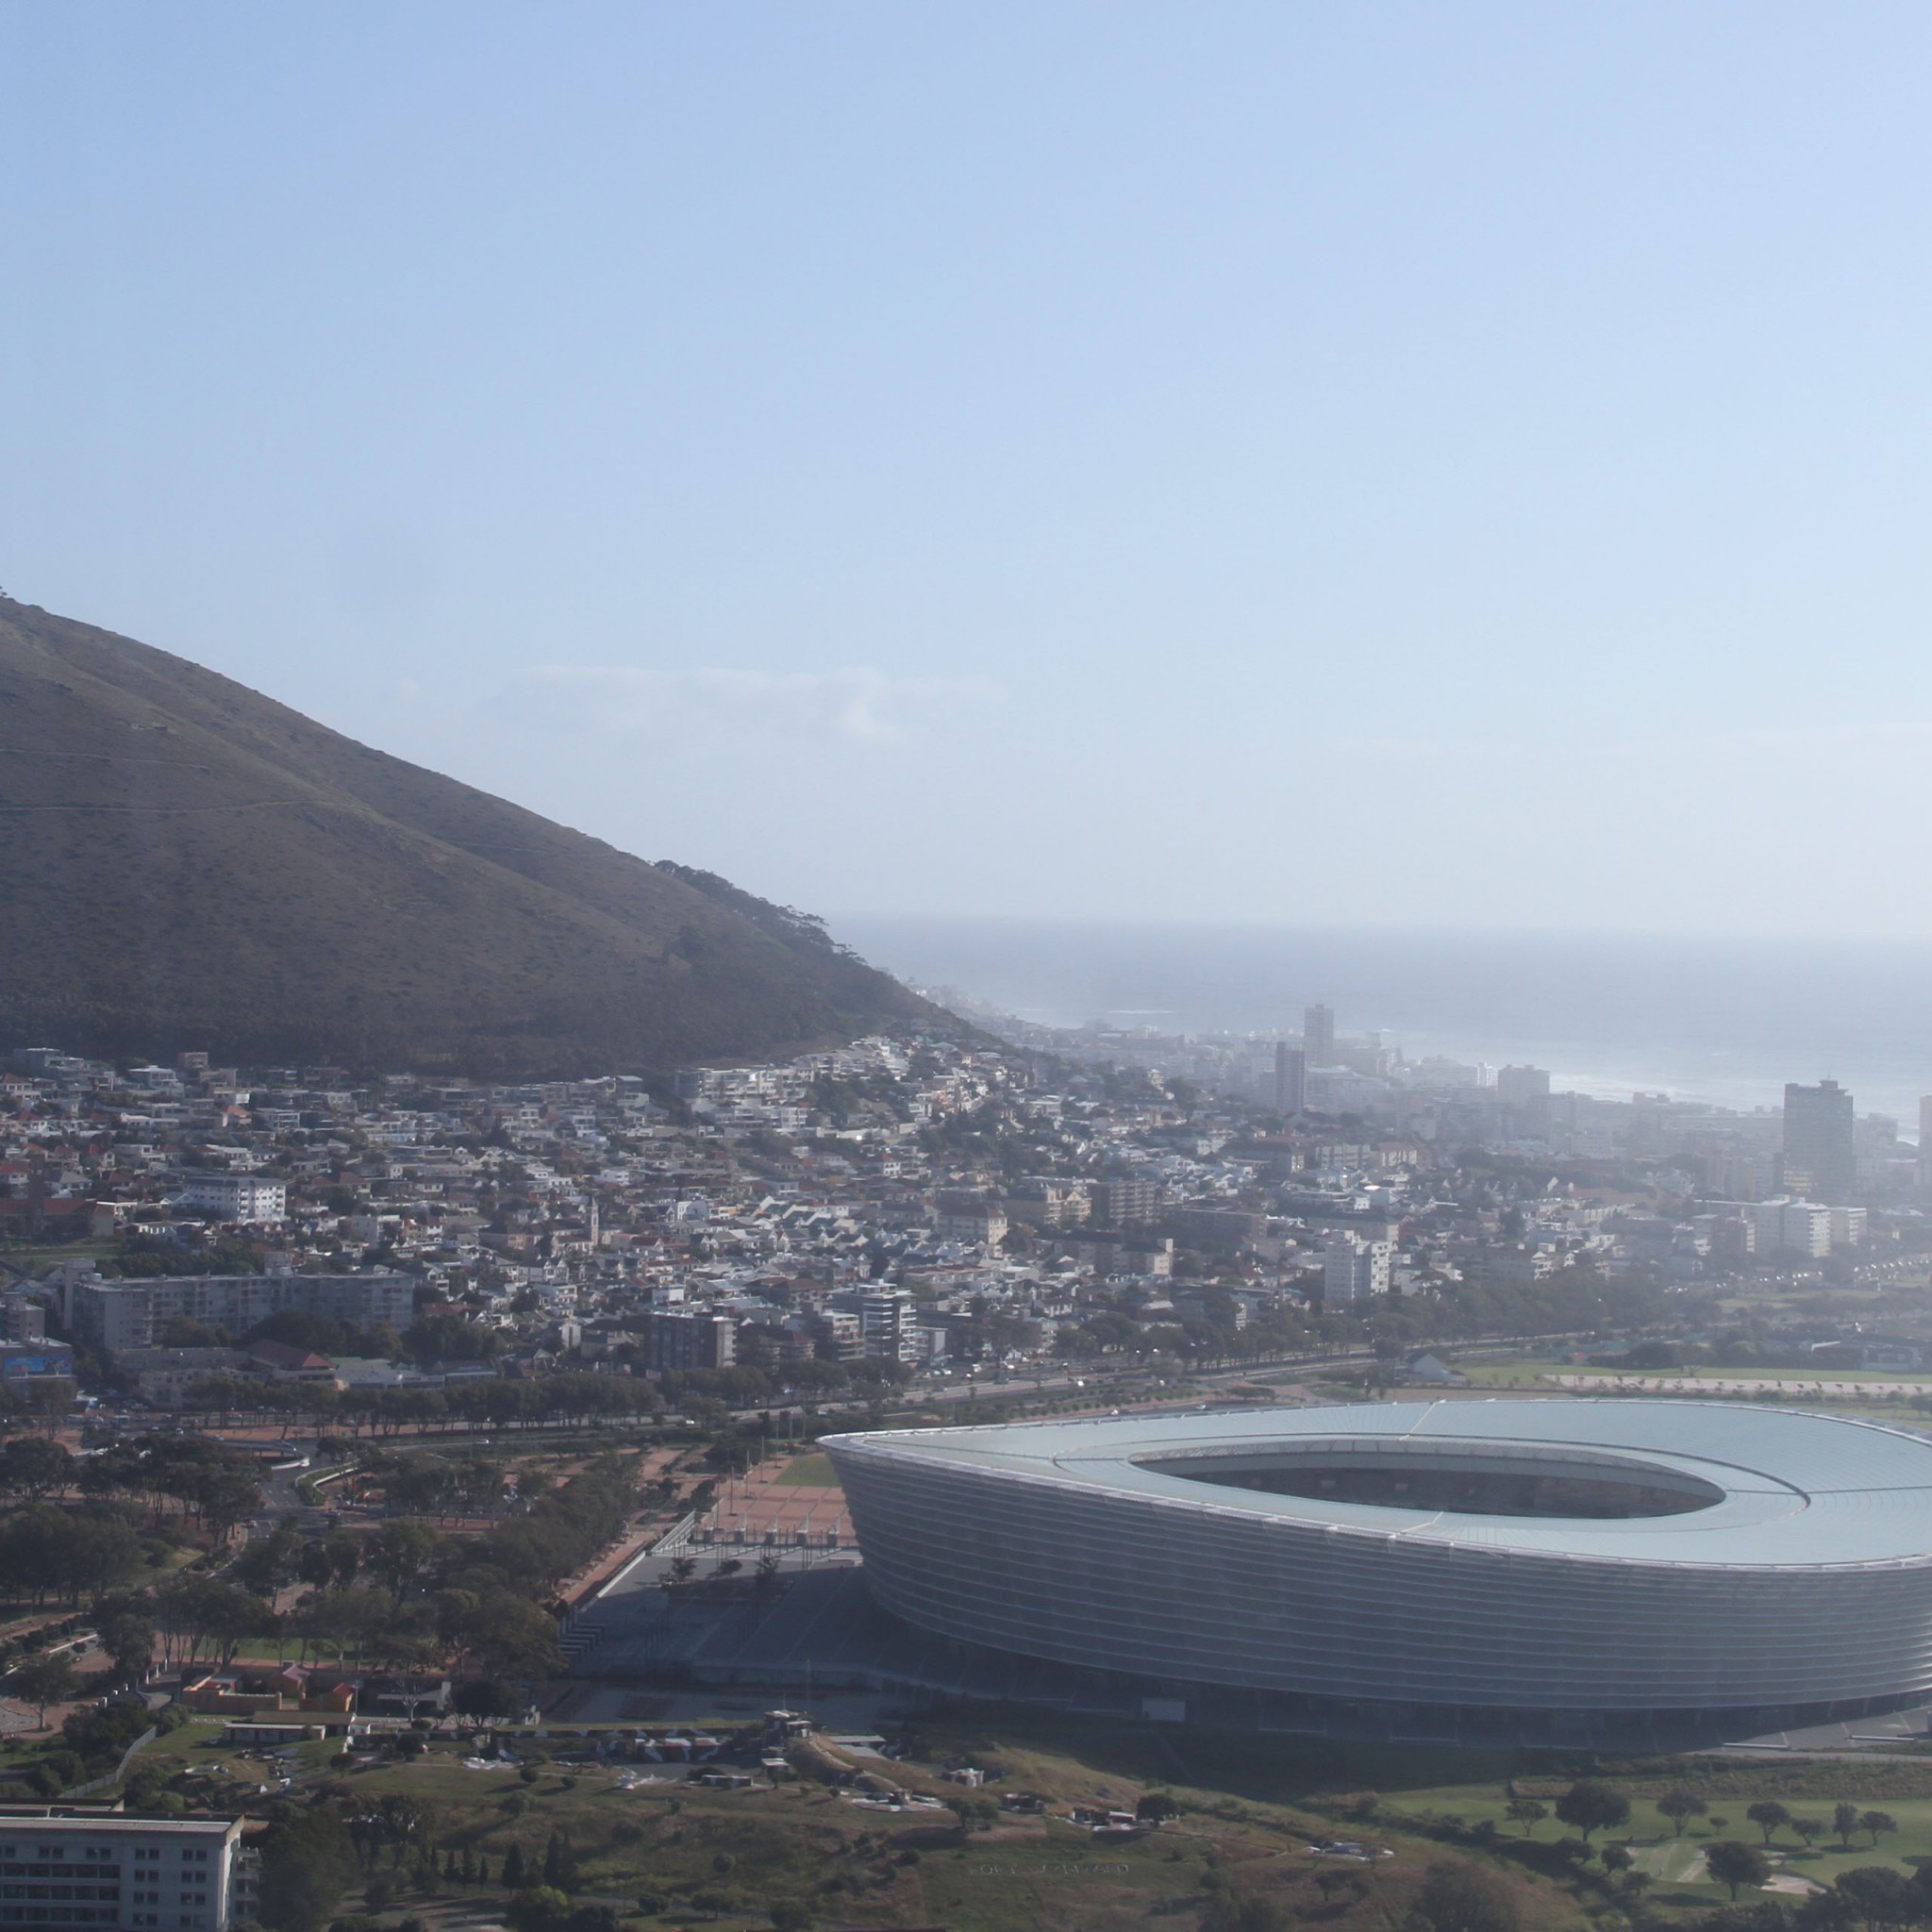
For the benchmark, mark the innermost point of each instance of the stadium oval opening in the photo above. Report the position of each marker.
(1432, 1481)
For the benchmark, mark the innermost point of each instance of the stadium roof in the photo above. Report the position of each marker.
(1794, 1489)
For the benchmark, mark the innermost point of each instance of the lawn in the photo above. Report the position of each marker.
(1532, 1376)
(1901, 1787)
(809, 1472)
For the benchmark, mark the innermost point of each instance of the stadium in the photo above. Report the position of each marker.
(1608, 1557)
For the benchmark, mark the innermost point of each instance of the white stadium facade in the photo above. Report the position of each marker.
(1613, 1557)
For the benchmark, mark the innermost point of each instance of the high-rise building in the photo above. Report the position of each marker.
(698, 1338)
(889, 1322)
(1520, 1086)
(1819, 1141)
(1353, 1269)
(1318, 1036)
(1926, 1142)
(1119, 1203)
(1291, 1078)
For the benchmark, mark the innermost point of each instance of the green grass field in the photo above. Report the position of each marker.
(1797, 1387)
(1899, 1788)
(809, 1472)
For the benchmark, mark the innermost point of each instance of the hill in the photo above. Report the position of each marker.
(185, 863)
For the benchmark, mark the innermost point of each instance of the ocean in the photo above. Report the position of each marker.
(1721, 1021)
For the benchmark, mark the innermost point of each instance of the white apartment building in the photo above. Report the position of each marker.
(146, 1875)
(1353, 1269)
(889, 1320)
(118, 1315)
(1803, 1226)
(242, 1197)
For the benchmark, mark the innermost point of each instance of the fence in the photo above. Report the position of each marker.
(119, 1772)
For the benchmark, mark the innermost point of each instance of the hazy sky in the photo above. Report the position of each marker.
(1419, 464)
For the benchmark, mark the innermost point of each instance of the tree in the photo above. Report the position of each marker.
(127, 1635)
(1155, 1808)
(1733, 1863)
(31, 1467)
(1617, 1858)
(1466, 1898)
(207, 1608)
(975, 1814)
(560, 1864)
(1844, 1820)
(224, 1498)
(513, 1869)
(270, 1562)
(46, 1679)
(1677, 1805)
(1767, 1815)
(96, 1555)
(1877, 1824)
(507, 1634)
(306, 1867)
(540, 1909)
(485, 1697)
(1592, 1806)
(1528, 1812)
(400, 1551)
(1878, 1895)
(1809, 1829)
(99, 1731)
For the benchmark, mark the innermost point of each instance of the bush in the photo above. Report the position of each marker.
(1465, 1898)
(103, 1733)
(538, 1909)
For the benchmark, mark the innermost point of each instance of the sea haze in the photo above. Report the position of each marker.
(1729, 1021)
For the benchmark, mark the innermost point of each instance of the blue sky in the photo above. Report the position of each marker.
(1393, 465)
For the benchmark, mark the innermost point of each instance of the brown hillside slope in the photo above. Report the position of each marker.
(185, 863)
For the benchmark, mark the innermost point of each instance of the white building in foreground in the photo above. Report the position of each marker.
(147, 1874)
